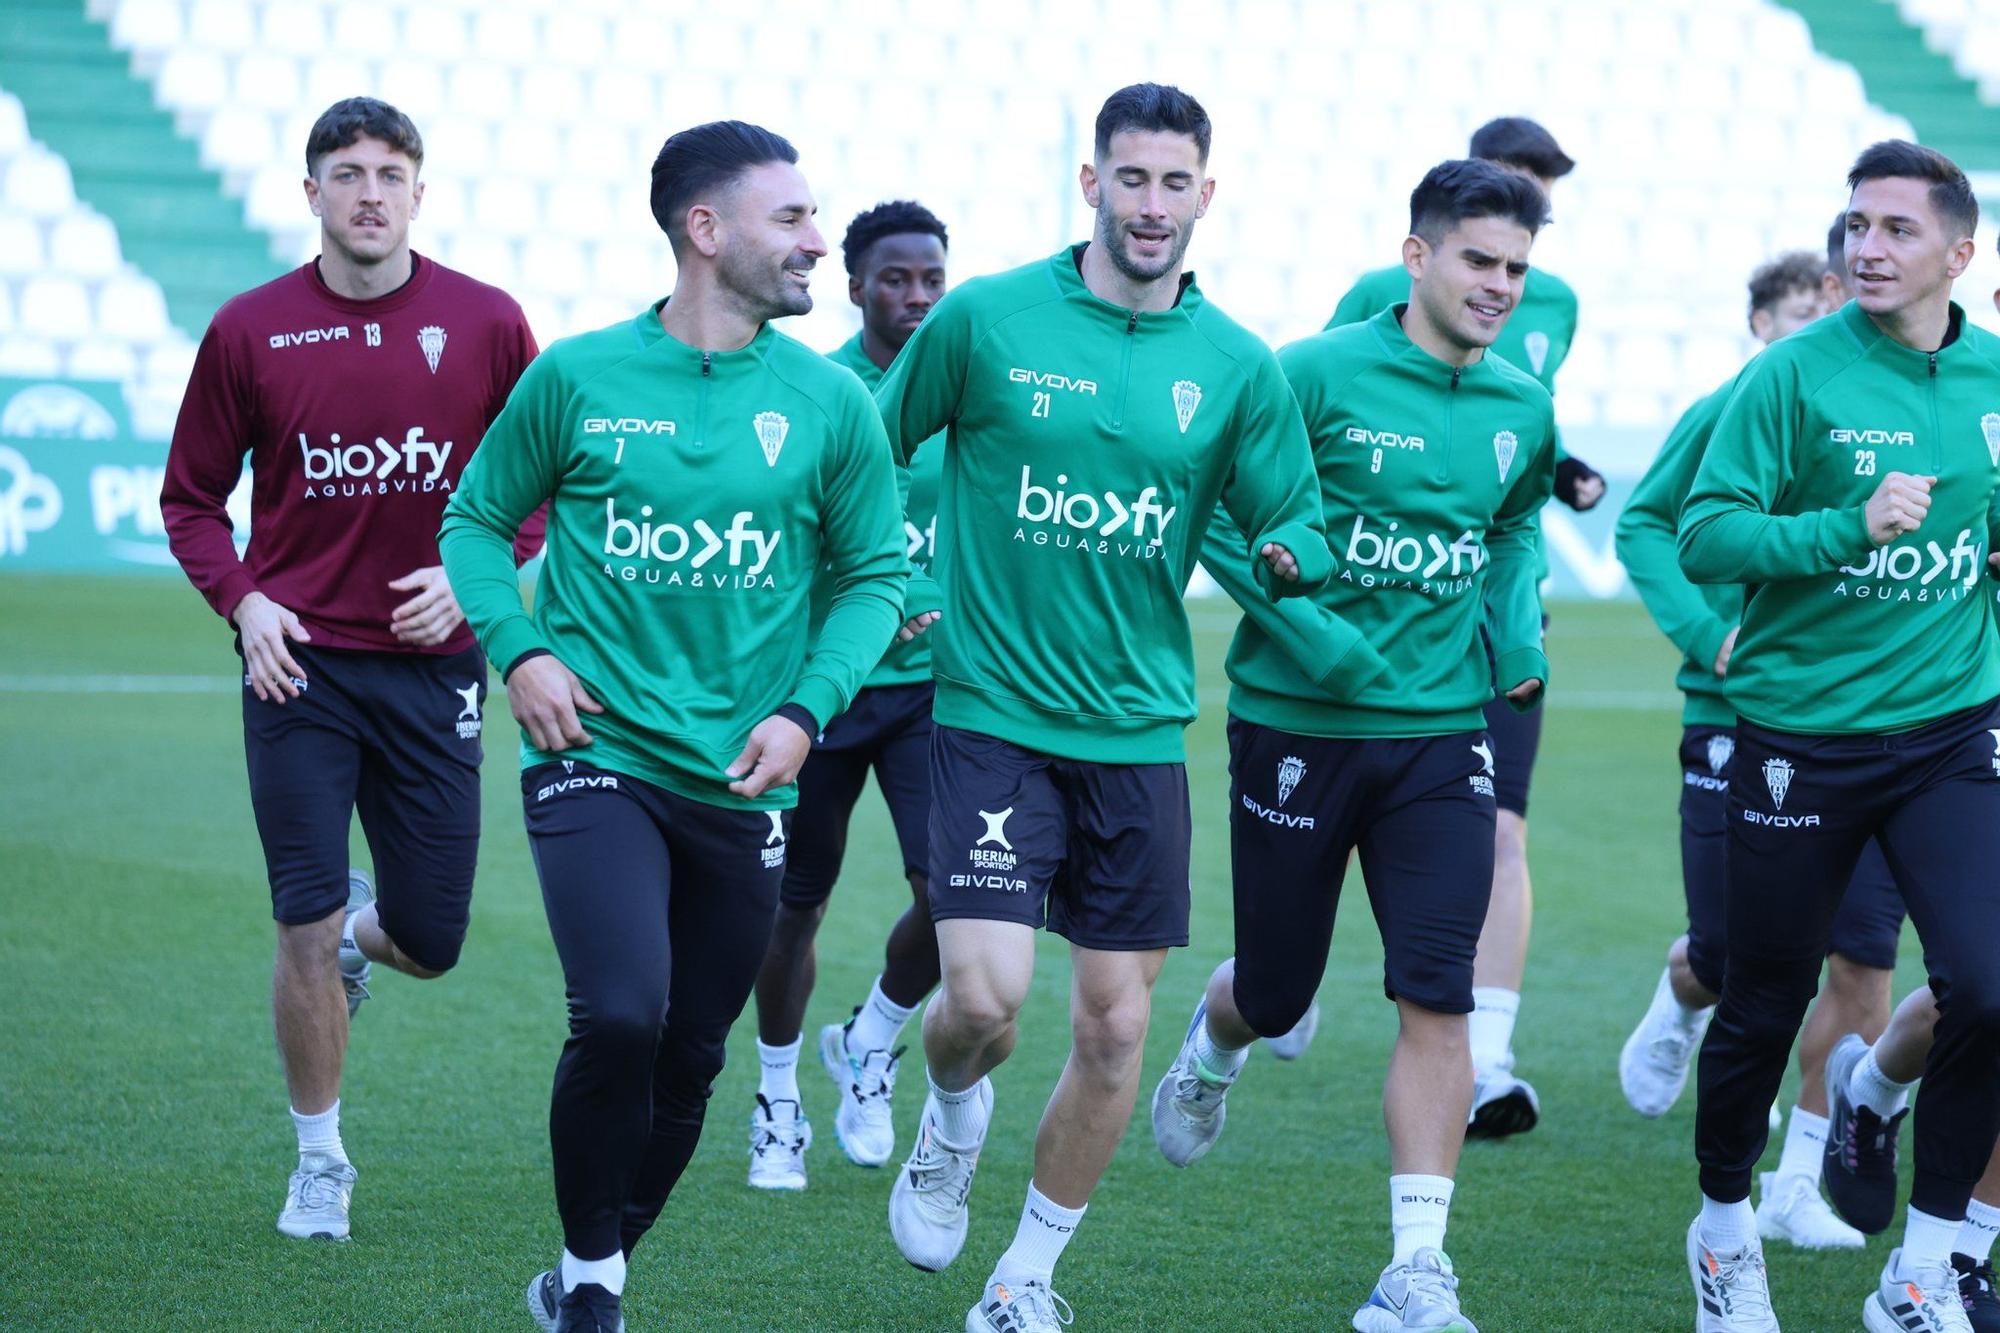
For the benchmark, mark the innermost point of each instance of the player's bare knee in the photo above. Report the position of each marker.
(977, 1014)
(1110, 1034)
(1510, 837)
(311, 945)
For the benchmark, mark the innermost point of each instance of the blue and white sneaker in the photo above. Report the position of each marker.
(1031, 1308)
(1916, 1300)
(1732, 1291)
(863, 1124)
(545, 1296)
(1420, 1296)
(1188, 1109)
(354, 964)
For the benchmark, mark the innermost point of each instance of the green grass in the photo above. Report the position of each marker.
(144, 1142)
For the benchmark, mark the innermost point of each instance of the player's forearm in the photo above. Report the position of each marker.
(478, 558)
(200, 536)
(1646, 548)
(1726, 542)
(861, 622)
(1330, 651)
(1513, 607)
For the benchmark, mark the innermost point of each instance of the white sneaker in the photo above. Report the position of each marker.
(1188, 1109)
(1293, 1044)
(1032, 1309)
(863, 1125)
(1653, 1067)
(317, 1199)
(928, 1213)
(779, 1137)
(354, 964)
(1732, 1293)
(1922, 1300)
(1421, 1295)
(1791, 1209)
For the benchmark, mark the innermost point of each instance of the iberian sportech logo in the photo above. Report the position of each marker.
(641, 546)
(992, 857)
(1064, 517)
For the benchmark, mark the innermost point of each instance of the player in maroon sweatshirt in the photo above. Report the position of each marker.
(358, 386)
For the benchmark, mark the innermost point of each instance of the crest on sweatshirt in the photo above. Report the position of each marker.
(771, 431)
(1187, 397)
(1537, 344)
(1989, 426)
(1721, 747)
(431, 338)
(1505, 446)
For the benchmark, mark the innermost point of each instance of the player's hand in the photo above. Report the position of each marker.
(1993, 564)
(1281, 561)
(916, 625)
(772, 757)
(1525, 692)
(1578, 484)
(545, 697)
(1898, 506)
(430, 616)
(1722, 653)
(264, 626)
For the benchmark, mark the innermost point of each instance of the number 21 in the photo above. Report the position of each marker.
(1041, 408)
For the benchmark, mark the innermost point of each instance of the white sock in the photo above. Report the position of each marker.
(608, 1272)
(1038, 1242)
(877, 1023)
(780, 1079)
(1927, 1241)
(320, 1133)
(1728, 1227)
(1418, 1208)
(1491, 1027)
(1219, 1060)
(1871, 1088)
(961, 1115)
(1982, 1225)
(1805, 1145)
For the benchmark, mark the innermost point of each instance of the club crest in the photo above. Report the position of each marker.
(1187, 397)
(431, 338)
(1290, 769)
(1989, 426)
(1537, 344)
(1778, 778)
(1505, 446)
(1720, 748)
(771, 431)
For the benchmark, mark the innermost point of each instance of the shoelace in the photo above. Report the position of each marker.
(1430, 1288)
(1982, 1278)
(1037, 1306)
(319, 1189)
(1196, 1099)
(1870, 1136)
(1742, 1285)
(873, 1082)
(772, 1134)
(934, 1168)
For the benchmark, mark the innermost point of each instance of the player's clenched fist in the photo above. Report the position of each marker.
(545, 696)
(1898, 506)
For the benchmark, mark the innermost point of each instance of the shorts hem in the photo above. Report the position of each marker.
(1453, 1006)
(1126, 945)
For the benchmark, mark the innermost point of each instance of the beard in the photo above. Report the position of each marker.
(1111, 235)
(764, 290)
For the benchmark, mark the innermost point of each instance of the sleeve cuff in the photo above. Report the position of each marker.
(801, 719)
(1843, 535)
(921, 594)
(236, 585)
(818, 699)
(1356, 669)
(528, 656)
(1308, 547)
(514, 639)
(1517, 667)
(1709, 643)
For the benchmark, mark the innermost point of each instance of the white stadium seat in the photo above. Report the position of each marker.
(131, 309)
(13, 126)
(55, 308)
(38, 184)
(83, 245)
(28, 357)
(222, 25)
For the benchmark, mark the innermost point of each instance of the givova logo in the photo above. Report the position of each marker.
(1910, 572)
(1104, 523)
(1875, 439)
(734, 557)
(348, 470)
(1410, 556)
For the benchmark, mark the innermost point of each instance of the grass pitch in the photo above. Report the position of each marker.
(144, 1143)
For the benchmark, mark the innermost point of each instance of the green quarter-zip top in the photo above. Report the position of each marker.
(1087, 446)
(1695, 617)
(693, 496)
(1430, 478)
(1841, 636)
(1536, 337)
(904, 663)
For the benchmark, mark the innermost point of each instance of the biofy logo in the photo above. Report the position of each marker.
(373, 469)
(1423, 555)
(1907, 563)
(1122, 527)
(742, 549)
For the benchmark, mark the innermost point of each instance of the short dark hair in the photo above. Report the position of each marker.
(1152, 106)
(354, 118)
(1951, 192)
(708, 157)
(896, 218)
(1836, 245)
(1774, 280)
(1462, 188)
(1516, 141)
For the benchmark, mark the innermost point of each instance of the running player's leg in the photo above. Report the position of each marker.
(1504, 1104)
(718, 922)
(601, 854)
(910, 969)
(1972, 1255)
(304, 761)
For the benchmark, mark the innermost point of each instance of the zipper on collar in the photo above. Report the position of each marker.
(1937, 436)
(701, 404)
(1450, 411)
(1125, 370)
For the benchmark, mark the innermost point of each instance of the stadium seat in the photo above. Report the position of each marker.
(38, 184)
(55, 308)
(13, 126)
(22, 251)
(131, 309)
(101, 359)
(28, 357)
(148, 26)
(83, 245)
(227, 26)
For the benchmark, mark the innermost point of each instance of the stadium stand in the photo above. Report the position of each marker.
(1710, 133)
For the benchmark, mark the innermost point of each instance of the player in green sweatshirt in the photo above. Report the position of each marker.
(895, 256)
(1786, 294)
(1537, 338)
(701, 470)
(1356, 718)
(1097, 407)
(1851, 483)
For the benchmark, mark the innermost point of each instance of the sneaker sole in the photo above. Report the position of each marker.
(1629, 1059)
(326, 1233)
(536, 1310)
(1374, 1319)
(787, 1185)
(1506, 1115)
(1877, 1320)
(834, 1061)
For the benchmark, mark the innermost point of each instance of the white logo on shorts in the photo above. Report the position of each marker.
(777, 833)
(1778, 779)
(1995, 734)
(1482, 782)
(1720, 749)
(1290, 769)
(996, 828)
(774, 856)
(468, 717)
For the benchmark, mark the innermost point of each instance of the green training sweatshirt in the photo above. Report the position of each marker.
(1839, 636)
(904, 663)
(1088, 445)
(1430, 477)
(1696, 617)
(693, 495)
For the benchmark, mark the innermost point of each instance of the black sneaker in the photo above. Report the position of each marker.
(588, 1308)
(1975, 1288)
(1860, 1161)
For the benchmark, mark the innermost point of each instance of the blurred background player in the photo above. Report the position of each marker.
(1536, 338)
(1356, 719)
(895, 257)
(728, 469)
(1786, 294)
(362, 687)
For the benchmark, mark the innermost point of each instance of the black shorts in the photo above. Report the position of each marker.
(1099, 850)
(1868, 923)
(395, 738)
(1420, 810)
(887, 729)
